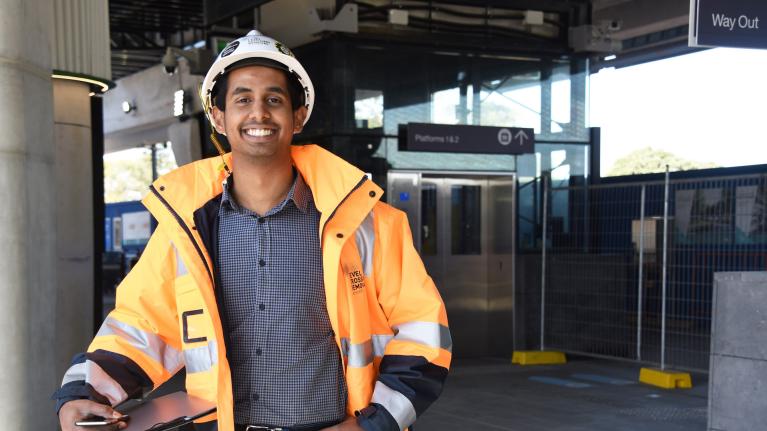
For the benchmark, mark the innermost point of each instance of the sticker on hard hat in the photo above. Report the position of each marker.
(230, 48)
(283, 49)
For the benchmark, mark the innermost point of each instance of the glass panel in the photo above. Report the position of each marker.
(166, 159)
(512, 103)
(428, 219)
(567, 165)
(368, 109)
(560, 105)
(465, 212)
(127, 174)
(445, 106)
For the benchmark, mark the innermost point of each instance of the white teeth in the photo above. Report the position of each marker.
(259, 132)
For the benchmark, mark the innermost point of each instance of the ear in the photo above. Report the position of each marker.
(299, 115)
(218, 120)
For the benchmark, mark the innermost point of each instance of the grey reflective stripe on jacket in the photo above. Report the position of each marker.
(395, 403)
(202, 358)
(91, 373)
(365, 238)
(146, 342)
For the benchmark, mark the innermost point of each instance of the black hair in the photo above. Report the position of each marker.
(295, 89)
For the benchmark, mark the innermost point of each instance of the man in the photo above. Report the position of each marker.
(291, 294)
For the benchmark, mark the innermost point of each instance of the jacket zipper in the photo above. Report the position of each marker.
(186, 229)
(322, 239)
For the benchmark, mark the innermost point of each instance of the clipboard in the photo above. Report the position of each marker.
(168, 412)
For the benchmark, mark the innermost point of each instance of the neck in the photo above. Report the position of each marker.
(259, 187)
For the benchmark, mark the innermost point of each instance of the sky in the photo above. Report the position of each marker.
(709, 106)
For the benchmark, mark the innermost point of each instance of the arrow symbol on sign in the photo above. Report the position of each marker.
(522, 137)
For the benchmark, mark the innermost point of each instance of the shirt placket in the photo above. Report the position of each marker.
(262, 306)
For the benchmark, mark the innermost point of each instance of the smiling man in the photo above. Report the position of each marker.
(291, 294)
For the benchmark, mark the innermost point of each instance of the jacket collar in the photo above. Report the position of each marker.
(189, 187)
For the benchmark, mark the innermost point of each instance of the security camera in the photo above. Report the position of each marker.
(614, 25)
(199, 60)
(169, 61)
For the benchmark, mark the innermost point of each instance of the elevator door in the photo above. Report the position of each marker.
(466, 240)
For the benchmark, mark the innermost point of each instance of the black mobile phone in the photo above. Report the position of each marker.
(96, 421)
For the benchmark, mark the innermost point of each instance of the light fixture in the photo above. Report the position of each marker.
(95, 83)
(178, 103)
(610, 57)
(128, 107)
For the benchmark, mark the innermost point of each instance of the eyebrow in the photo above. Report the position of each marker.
(240, 90)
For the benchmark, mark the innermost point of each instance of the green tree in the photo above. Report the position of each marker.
(649, 160)
(128, 173)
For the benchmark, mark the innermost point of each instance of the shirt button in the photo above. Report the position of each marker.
(258, 352)
(261, 307)
(261, 262)
(255, 397)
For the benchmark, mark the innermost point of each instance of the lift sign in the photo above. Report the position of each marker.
(730, 23)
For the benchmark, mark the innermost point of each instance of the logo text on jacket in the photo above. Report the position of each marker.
(357, 279)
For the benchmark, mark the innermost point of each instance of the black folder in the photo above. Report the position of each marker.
(167, 413)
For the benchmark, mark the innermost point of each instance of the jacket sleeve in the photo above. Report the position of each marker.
(416, 361)
(138, 344)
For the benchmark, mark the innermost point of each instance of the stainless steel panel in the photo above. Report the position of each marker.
(500, 265)
(465, 275)
(433, 233)
(464, 228)
(403, 191)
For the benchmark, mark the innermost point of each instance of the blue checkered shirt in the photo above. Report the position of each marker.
(286, 367)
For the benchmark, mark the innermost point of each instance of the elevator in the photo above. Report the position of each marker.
(463, 225)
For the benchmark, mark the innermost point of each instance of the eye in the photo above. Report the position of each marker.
(242, 100)
(274, 100)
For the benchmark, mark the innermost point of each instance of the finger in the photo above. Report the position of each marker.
(102, 410)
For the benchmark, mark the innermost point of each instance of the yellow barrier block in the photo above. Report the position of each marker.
(537, 357)
(665, 379)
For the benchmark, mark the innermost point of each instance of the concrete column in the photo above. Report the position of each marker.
(74, 220)
(80, 45)
(185, 141)
(27, 204)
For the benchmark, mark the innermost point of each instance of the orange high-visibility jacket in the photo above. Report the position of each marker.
(389, 320)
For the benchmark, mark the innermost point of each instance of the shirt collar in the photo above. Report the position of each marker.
(298, 193)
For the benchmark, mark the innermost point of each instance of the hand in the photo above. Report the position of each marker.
(349, 424)
(77, 410)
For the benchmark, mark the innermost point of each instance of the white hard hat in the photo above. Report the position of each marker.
(254, 45)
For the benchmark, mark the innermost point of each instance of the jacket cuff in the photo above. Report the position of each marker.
(375, 417)
(77, 390)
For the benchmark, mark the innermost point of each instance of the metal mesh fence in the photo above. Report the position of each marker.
(607, 259)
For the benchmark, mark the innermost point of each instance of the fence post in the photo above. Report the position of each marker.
(641, 274)
(543, 257)
(665, 261)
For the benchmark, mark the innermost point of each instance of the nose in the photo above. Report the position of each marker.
(259, 111)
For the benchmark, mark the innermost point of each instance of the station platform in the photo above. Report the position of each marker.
(582, 395)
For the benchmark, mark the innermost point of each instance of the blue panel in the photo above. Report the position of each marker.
(108, 234)
(596, 378)
(404, 196)
(560, 382)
